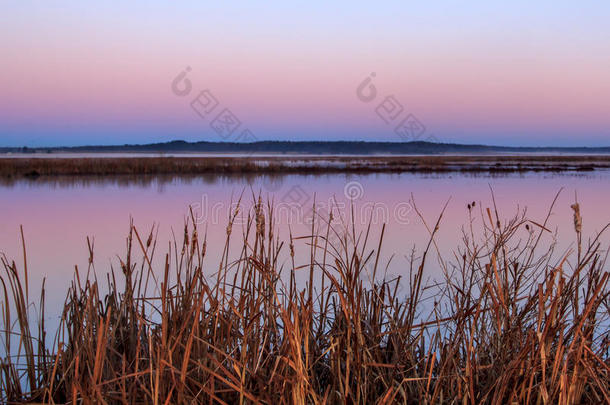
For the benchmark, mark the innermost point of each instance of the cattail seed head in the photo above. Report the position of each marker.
(577, 217)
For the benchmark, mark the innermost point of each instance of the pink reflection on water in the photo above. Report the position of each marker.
(57, 219)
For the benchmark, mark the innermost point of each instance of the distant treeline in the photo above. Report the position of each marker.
(309, 147)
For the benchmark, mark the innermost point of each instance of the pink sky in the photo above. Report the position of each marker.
(507, 75)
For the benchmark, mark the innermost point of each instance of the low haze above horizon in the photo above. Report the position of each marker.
(517, 74)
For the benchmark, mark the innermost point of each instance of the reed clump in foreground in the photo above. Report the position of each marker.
(509, 323)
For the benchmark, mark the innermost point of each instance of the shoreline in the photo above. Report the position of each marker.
(26, 167)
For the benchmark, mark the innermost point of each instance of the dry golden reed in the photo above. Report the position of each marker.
(509, 322)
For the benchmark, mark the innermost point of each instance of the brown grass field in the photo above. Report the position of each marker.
(508, 323)
(104, 166)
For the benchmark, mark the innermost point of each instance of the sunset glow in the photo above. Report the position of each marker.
(517, 74)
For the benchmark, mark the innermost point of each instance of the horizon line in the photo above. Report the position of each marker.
(301, 142)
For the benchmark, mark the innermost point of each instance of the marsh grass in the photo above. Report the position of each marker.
(32, 168)
(508, 322)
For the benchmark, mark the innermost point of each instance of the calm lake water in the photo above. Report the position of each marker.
(58, 215)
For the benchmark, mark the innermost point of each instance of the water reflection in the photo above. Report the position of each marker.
(270, 181)
(58, 214)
